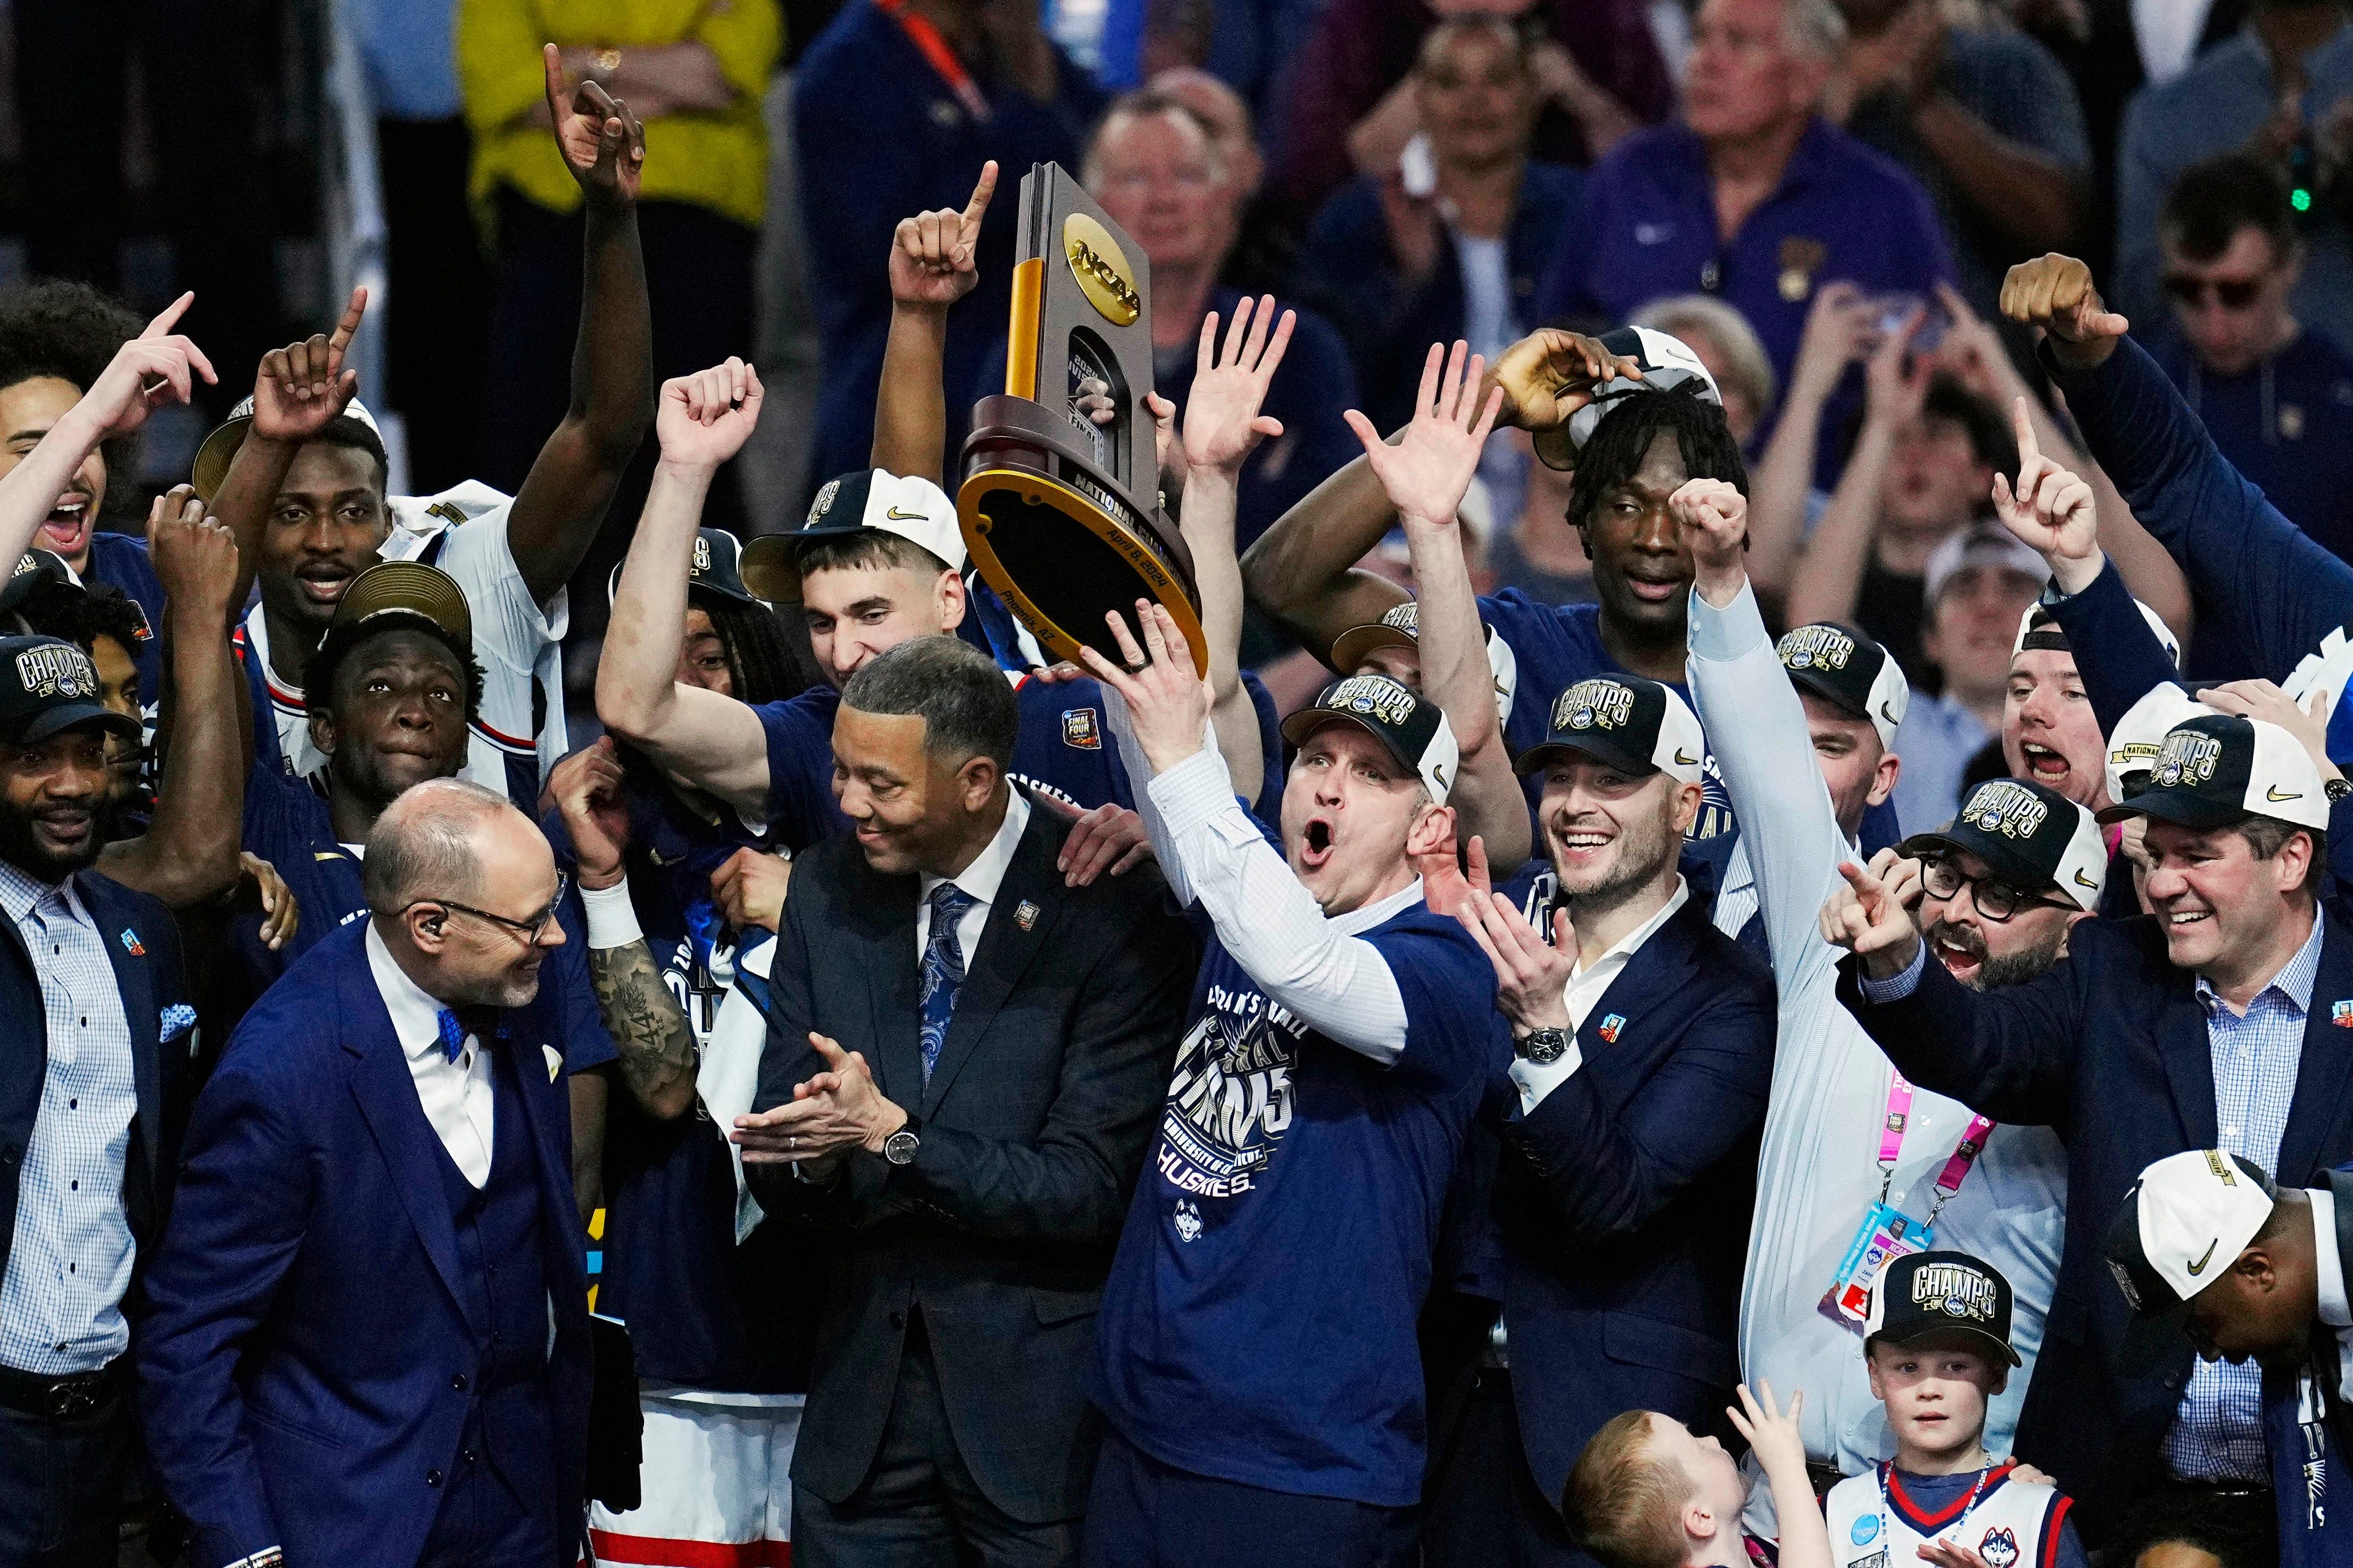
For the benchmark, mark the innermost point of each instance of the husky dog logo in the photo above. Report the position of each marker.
(1188, 1220)
(2000, 1547)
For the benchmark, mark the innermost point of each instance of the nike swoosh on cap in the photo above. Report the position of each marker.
(1681, 761)
(2274, 793)
(897, 516)
(2200, 1266)
(2081, 880)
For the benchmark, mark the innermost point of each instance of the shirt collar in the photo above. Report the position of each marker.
(19, 891)
(1366, 917)
(415, 1014)
(986, 872)
(2334, 1310)
(2293, 982)
(1625, 945)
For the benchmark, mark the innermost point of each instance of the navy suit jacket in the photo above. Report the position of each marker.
(305, 1367)
(149, 980)
(1627, 1195)
(2109, 1048)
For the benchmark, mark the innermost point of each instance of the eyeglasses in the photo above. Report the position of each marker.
(2231, 294)
(1995, 898)
(530, 930)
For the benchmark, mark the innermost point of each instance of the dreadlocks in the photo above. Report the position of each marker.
(1614, 452)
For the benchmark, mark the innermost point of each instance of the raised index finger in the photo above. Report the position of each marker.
(349, 325)
(161, 327)
(983, 188)
(2021, 423)
(553, 59)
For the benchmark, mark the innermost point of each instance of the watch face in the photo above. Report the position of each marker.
(899, 1147)
(1545, 1047)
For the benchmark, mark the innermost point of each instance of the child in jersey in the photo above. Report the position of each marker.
(1937, 1342)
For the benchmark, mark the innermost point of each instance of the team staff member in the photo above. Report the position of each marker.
(1803, 733)
(2207, 1026)
(300, 478)
(1003, 1039)
(1999, 889)
(1643, 1046)
(366, 1337)
(2278, 1300)
(84, 1170)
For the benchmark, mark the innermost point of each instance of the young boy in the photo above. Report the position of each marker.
(1937, 1344)
(1648, 1492)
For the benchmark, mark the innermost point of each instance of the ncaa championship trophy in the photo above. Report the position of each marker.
(1061, 513)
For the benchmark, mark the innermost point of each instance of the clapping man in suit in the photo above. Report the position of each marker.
(98, 1011)
(367, 1331)
(964, 1060)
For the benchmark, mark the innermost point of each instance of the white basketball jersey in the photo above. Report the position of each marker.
(2012, 1523)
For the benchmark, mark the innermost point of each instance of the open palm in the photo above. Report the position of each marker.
(1222, 421)
(1426, 472)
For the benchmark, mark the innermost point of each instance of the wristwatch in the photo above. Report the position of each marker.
(1542, 1046)
(901, 1146)
(2336, 789)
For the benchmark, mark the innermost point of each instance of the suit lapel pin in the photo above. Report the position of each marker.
(555, 1061)
(2341, 1015)
(1610, 1026)
(1024, 915)
(130, 943)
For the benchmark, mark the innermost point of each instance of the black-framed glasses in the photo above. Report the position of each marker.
(2231, 294)
(1995, 898)
(530, 930)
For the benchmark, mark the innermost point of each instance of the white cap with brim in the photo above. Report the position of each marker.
(908, 505)
(219, 449)
(1980, 544)
(2134, 743)
(2183, 1226)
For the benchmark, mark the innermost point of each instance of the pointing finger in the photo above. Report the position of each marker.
(983, 188)
(163, 324)
(2022, 422)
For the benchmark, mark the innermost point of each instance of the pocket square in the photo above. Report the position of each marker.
(178, 1019)
(554, 1062)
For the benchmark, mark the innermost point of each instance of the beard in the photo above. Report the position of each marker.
(20, 847)
(1644, 849)
(2011, 968)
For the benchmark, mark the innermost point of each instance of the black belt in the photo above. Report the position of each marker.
(62, 1398)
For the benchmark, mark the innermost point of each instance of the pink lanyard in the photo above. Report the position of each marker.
(1891, 1147)
(939, 56)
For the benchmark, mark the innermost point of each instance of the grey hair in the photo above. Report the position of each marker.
(1815, 28)
(1687, 316)
(967, 706)
(422, 844)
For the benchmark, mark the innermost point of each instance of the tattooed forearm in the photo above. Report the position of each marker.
(648, 1028)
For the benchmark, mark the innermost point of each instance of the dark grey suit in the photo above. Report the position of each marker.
(947, 1398)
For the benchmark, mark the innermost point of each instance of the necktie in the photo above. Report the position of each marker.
(943, 969)
(457, 1023)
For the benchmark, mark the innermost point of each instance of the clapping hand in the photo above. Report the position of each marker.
(2050, 510)
(832, 1112)
(1531, 976)
(1867, 918)
(603, 143)
(705, 418)
(1222, 421)
(932, 253)
(2054, 292)
(303, 386)
(1426, 472)
(154, 369)
(1167, 702)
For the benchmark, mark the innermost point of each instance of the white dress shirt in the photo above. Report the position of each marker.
(1585, 985)
(455, 1094)
(980, 879)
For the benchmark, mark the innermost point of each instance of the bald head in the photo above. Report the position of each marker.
(425, 844)
(464, 889)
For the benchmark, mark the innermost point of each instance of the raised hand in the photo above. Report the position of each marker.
(1531, 978)
(1868, 919)
(154, 369)
(1712, 517)
(1446, 886)
(587, 789)
(603, 143)
(1167, 443)
(303, 386)
(1838, 331)
(1779, 1441)
(1896, 383)
(196, 559)
(1426, 474)
(705, 418)
(932, 253)
(2054, 292)
(1550, 374)
(2050, 509)
(1222, 421)
(2308, 721)
(1168, 703)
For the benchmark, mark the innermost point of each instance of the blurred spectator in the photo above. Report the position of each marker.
(895, 108)
(2277, 399)
(1259, 255)
(1155, 170)
(211, 186)
(56, 339)
(1449, 244)
(438, 311)
(693, 73)
(1351, 108)
(1752, 197)
(1988, 122)
(1540, 554)
(2264, 90)
(1922, 467)
(1979, 584)
(1728, 346)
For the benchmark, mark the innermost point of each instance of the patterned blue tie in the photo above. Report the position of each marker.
(943, 969)
(456, 1023)
(453, 1033)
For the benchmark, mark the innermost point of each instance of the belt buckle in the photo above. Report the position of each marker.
(68, 1400)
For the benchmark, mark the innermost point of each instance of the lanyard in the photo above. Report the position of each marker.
(938, 54)
(1976, 1491)
(1891, 1147)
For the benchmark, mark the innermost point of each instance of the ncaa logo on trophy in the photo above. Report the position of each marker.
(1061, 509)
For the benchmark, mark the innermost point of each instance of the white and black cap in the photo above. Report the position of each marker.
(1849, 672)
(1924, 1295)
(2217, 769)
(1415, 730)
(2134, 742)
(908, 505)
(2183, 1226)
(2031, 837)
(1666, 363)
(2040, 628)
(715, 567)
(221, 447)
(1400, 626)
(1635, 725)
(1980, 544)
